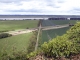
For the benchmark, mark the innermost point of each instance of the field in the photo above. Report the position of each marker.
(19, 42)
(50, 34)
(18, 24)
(57, 22)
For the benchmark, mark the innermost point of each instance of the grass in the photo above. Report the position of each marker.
(46, 35)
(19, 42)
(21, 24)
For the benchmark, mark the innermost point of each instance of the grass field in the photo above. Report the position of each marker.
(46, 35)
(21, 24)
(19, 42)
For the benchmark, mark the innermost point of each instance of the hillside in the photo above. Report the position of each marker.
(65, 47)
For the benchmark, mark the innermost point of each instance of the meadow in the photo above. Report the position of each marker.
(8, 25)
(16, 43)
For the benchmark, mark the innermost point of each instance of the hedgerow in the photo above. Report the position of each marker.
(4, 35)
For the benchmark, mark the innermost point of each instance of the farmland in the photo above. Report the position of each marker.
(15, 25)
(19, 42)
(49, 34)
(46, 35)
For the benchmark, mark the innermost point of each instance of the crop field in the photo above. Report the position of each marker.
(57, 22)
(50, 34)
(18, 42)
(17, 24)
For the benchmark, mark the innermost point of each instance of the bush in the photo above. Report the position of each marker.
(32, 54)
(20, 55)
(74, 35)
(59, 47)
(65, 45)
(4, 35)
(32, 43)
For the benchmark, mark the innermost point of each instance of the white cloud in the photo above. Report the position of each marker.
(54, 7)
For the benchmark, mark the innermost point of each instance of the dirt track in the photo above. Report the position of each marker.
(22, 31)
(17, 32)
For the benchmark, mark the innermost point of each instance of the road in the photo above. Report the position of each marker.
(22, 31)
(17, 32)
(55, 27)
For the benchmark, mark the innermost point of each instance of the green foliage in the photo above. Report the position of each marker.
(32, 43)
(74, 35)
(64, 45)
(54, 32)
(19, 42)
(59, 47)
(4, 35)
(19, 55)
(32, 54)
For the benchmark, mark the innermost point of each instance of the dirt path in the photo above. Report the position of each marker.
(17, 32)
(22, 31)
(55, 27)
(36, 46)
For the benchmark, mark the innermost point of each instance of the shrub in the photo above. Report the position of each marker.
(32, 54)
(74, 35)
(64, 45)
(59, 47)
(18, 55)
(32, 43)
(4, 35)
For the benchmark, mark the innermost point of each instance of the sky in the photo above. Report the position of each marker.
(39, 7)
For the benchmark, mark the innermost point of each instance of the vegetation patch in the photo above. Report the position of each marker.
(4, 35)
(32, 42)
(17, 24)
(64, 46)
(17, 43)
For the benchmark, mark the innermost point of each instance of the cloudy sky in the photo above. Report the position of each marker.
(40, 7)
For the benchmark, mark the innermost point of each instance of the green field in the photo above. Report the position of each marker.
(61, 22)
(19, 42)
(17, 24)
(57, 22)
(46, 35)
